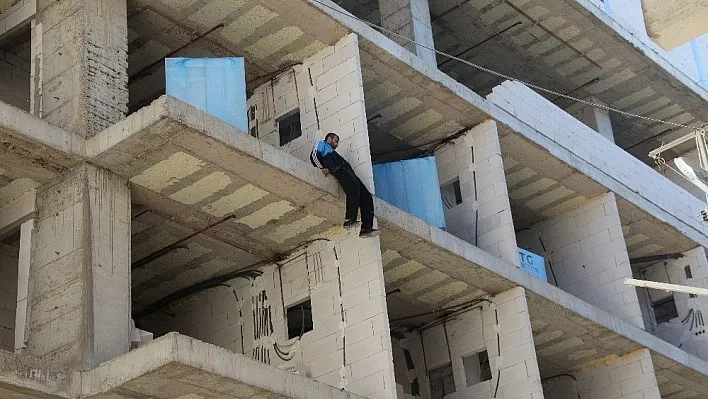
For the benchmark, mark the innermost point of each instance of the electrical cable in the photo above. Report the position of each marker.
(454, 309)
(499, 74)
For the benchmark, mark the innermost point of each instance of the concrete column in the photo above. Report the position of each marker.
(410, 18)
(499, 332)
(588, 254)
(79, 277)
(483, 218)
(79, 78)
(599, 120)
(628, 377)
(23, 269)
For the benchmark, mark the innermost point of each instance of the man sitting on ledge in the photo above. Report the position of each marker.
(325, 158)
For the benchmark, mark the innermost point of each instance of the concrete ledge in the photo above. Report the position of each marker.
(188, 366)
(31, 147)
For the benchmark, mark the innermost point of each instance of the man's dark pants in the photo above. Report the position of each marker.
(357, 196)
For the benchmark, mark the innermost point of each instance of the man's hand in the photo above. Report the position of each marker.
(325, 171)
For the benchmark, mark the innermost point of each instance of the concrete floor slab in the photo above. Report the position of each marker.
(178, 366)
(172, 366)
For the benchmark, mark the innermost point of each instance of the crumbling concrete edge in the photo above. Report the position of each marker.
(22, 373)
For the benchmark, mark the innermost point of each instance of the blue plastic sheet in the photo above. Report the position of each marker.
(533, 264)
(413, 186)
(216, 86)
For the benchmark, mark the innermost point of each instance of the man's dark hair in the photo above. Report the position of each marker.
(330, 135)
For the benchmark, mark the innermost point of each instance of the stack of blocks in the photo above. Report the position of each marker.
(588, 254)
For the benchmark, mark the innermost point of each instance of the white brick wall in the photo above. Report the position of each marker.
(484, 216)
(14, 80)
(589, 256)
(354, 353)
(674, 272)
(629, 377)
(629, 176)
(473, 332)
(332, 80)
(8, 297)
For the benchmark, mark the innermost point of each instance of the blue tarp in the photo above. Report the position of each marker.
(413, 186)
(533, 264)
(216, 86)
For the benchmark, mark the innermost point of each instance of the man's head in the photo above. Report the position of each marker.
(332, 139)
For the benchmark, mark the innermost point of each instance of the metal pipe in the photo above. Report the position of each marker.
(181, 25)
(451, 9)
(198, 287)
(480, 43)
(652, 258)
(548, 31)
(144, 261)
(666, 287)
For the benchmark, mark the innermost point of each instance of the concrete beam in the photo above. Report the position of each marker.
(673, 24)
(15, 14)
(35, 149)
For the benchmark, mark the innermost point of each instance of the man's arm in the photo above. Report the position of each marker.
(317, 159)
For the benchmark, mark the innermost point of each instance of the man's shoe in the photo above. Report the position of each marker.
(366, 233)
(348, 224)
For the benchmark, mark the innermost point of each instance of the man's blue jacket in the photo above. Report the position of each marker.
(323, 156)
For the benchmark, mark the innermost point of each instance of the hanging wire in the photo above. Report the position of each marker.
(499, 74)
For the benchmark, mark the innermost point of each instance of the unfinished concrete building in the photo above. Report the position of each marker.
(149, 249)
